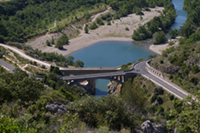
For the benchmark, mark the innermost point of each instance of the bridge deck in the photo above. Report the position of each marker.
(97, 75)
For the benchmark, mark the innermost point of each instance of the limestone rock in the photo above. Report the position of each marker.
(149, 127)
(114, 88)
(56, 108)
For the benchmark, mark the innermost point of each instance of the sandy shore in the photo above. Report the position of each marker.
(161, 47)
(158, 48)
(114, 32)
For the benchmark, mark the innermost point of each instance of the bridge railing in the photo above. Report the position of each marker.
(161, 75)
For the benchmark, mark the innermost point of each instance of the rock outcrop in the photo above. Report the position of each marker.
(114, 88)
(89, 87)
(149, 127)
(56, 107)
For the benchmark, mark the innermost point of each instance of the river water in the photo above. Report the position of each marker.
(116, 53)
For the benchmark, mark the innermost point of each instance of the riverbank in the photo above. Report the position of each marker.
(114, 32)
(161, 47)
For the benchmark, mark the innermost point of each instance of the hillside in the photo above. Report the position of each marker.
(50, 105)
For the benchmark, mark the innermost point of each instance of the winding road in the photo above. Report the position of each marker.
(161, 82)
(179, 93)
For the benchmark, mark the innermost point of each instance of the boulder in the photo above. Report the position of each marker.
(56, 108)
(149, 127)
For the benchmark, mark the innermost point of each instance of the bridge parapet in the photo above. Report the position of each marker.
(160, 74)
(155, 71)
(83, 71)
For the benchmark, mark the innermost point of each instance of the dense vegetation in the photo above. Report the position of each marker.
(162, 22)
(182, 63)
(23, 106)
(23, 19)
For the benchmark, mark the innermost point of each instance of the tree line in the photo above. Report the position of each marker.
(22, 19)
(157, 24)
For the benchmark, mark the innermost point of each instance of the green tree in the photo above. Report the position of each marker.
(86, 29)
(159, 37)
(187, 119)
(133, 95)
(79, 63)
(48, 43)
(173, 33)
(187, 29)
(52, 41)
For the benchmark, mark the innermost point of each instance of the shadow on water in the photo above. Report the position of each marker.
(100, 93)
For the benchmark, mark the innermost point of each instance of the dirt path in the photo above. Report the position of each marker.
(53, 26)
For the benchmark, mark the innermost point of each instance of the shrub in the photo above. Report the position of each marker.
(171, 97)
(161, 61)
(171, 43)
(99, 21)
(153, 98)
(93, 26)
(159, 37)
(159, 99)
(171, 77)
(43, 66)
(35, 63)
(1, 54)
(108, 23)
(152, 109)
(195, 69)
(194, 80)
(48, 43)
(147, 9)
(160, 109)
(127, 29)
(139, 13)
(141, 59)
(158, 90)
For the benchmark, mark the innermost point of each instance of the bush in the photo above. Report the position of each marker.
(161, 61)
(108, 23)
(139, 13)
(93, 26)
(35, 63)
(195, 69)
(62, 41)
(158, 90)
(141, 59)
(1, 54)
(160, 101)
(43, 66)
(160, 109)
(171, 97)
(127, 29)
(159, 37)
(171, 77)
(171, 43)
(152, 109)
(48, 43)
(153, 98)
(147, 9)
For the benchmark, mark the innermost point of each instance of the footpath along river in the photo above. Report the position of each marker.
(116, 53)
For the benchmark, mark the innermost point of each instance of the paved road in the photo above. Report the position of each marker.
(7, 66)
(93, 76)
(157, 80)
(141, 66)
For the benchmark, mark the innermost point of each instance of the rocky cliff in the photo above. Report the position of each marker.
(114, 88)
